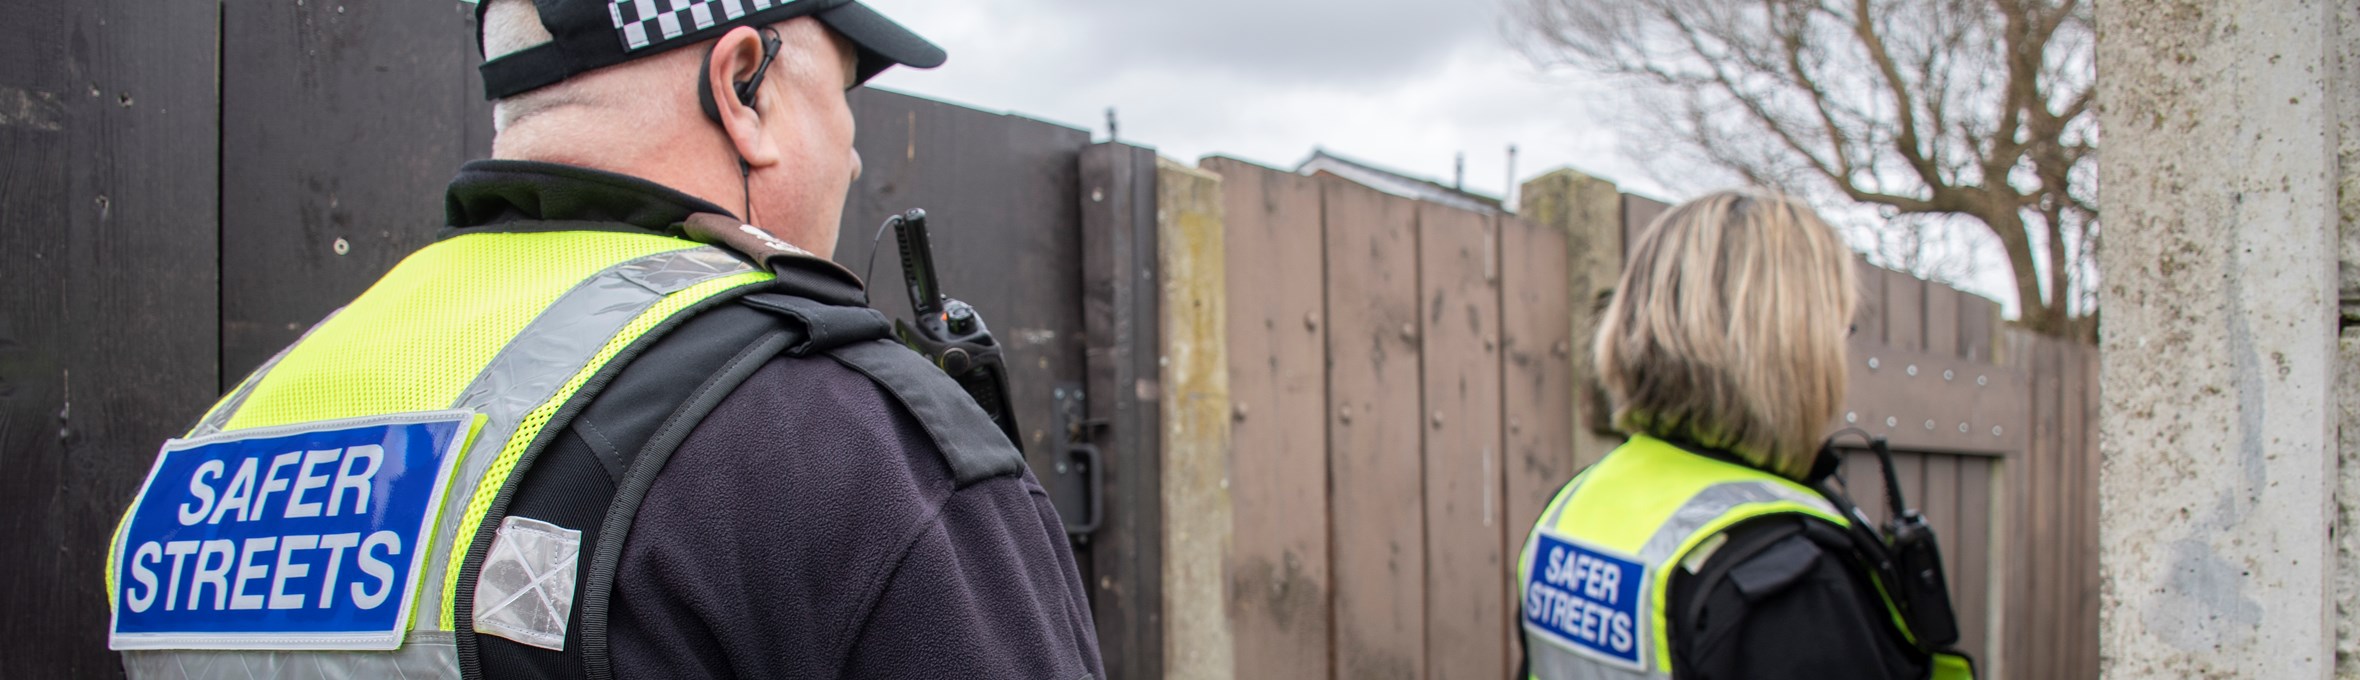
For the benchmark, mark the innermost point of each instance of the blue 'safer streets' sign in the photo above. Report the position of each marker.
(308, 536)
(1587, 600)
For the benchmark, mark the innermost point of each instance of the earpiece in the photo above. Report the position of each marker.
(744, 89)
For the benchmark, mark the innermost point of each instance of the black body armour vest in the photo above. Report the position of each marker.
(645, 402)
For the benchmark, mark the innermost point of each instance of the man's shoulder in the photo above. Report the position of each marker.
(817, 415)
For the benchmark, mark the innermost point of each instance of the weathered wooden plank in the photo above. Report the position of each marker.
(1905, 312)
(1868, 322)
(2049, 618)
(108, 334)
(1976, 559)
(1117, 237)
(1466, 539)
(2077, 452)
(1639, 212)
(321, 198)
(1864, 479)
(1940, 502)
(1978, 324)
(1536, 384)
(1942, 329)
(2020, 611)
(1375, 433)
(1974, 408)
(1910, 468)
(1278, 565)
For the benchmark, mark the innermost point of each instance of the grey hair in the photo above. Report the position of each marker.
(510, 26)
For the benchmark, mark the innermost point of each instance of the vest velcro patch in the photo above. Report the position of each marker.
(303, 537)
(1588, 600)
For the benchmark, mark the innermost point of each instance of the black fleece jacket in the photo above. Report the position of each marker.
(808, 527)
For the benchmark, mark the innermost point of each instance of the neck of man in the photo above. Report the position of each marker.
(691, 159)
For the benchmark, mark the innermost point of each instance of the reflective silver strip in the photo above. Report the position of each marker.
(220, 416)
(424, 655)
(1713, 502)
(540, 359)
(1553, 662)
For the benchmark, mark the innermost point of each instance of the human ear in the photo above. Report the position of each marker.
(729, 87)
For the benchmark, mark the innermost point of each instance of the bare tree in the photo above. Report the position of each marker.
(1923, 109)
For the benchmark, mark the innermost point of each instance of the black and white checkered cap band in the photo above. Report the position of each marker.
(646, 23)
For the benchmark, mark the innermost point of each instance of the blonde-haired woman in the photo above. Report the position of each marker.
(1701, 548)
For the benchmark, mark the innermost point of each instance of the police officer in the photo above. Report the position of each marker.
(1702, 548)
(617, 421)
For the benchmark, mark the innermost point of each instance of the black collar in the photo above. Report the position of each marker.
(502, 195)
(1823, 465)
(522, 196)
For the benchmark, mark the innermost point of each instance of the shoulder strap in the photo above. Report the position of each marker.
(606, 454)
(602, 453)
(581, 469)
(970, 443)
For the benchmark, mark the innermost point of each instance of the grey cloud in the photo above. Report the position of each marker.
(1331, 41)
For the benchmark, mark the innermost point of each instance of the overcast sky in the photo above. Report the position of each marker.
(1400, 83)
(1405, 84)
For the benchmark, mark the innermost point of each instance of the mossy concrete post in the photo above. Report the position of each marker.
(1590, 212)
(1195, 361)
(2229, 128)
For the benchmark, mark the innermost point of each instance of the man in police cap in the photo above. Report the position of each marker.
(617, 421)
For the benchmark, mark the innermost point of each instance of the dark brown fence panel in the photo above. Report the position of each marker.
(1379, 536)
(1122, 324)
(1536, 385)
(108, 331)
(341, 124)
(1278, 566)
(1003, 198)
(1458, 309)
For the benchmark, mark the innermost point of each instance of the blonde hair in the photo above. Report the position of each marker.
(1728, 329)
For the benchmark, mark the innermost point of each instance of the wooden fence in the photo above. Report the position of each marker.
(185, 187)
(1406, 401)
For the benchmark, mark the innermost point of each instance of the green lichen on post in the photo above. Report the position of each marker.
(1197, 512)
(1590, 213)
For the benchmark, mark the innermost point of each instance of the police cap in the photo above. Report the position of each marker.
(594, 34)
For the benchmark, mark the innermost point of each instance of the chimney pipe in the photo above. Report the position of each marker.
(1508, 196)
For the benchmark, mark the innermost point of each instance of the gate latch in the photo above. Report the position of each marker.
(1079, 493)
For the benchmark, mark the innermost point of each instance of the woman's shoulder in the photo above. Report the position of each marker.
(1782, 592)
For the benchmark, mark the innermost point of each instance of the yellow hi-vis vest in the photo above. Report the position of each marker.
(1596, 569)
(484, 336)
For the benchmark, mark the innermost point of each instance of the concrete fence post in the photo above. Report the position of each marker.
(2220, 371)
(1589, 210)
(1197, 512)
